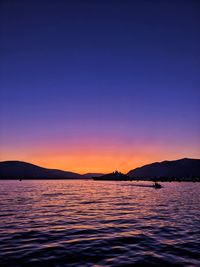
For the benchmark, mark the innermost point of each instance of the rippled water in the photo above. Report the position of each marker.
(91, 223)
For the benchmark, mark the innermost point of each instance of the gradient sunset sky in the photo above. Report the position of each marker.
(95, 86)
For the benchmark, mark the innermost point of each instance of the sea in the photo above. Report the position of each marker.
(99, 223)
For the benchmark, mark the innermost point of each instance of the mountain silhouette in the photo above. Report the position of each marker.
(24, 170)
(182, 168)
(185, 169)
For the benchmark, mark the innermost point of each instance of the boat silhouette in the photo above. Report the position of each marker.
(157, 185)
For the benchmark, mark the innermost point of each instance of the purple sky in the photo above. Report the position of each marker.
(99, 85)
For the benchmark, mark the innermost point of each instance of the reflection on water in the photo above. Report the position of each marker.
(91, 223)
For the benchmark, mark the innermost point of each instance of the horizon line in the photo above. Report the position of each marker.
(22, 161)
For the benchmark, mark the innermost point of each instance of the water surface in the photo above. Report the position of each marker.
(94, 223)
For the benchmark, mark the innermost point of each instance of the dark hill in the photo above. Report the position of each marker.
(23, 170)
(183, 168)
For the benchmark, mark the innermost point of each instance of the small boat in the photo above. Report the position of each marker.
(157, 185)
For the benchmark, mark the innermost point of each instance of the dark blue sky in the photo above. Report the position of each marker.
(83, 77)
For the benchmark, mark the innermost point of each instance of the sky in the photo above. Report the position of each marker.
(98, 86)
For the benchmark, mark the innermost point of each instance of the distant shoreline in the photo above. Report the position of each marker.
(101, 180)
(166, 171)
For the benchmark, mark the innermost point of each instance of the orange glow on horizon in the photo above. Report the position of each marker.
(95, 158)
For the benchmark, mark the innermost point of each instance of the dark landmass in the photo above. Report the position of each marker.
(114, 176)
(91, 175)
(23, 170)
(176, 170)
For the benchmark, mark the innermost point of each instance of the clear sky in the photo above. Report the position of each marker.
(95, 86)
